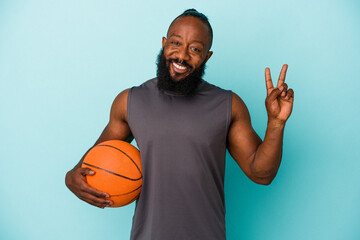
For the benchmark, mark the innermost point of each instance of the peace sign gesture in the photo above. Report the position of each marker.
(279, 100)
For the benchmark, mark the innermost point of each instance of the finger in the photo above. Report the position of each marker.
(283, 88)
(86, 171)
(282, 75)
(85, 198)
(94, 203)
(87, 188)
(268, 81)
(98, 201)
(290, 95)
(97, 204)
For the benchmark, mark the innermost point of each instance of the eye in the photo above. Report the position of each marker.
(195, 49)
(175, 43)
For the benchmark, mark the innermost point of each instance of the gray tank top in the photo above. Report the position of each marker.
(182, 141)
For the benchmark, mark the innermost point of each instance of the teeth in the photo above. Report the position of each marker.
(179, 67)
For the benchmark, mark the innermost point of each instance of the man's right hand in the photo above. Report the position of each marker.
(75, 180)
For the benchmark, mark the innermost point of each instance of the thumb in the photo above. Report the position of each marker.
(87, 171)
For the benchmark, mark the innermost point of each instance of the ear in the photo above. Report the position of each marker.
(163, 42)
(208, 55)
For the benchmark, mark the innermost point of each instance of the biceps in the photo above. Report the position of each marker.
(116, 130)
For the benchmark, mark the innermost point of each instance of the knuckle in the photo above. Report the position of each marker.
(81, 195)
(82, 189)
(98, 204)
(274, 92)
(97, 194)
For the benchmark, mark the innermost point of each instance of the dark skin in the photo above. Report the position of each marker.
(188, 39)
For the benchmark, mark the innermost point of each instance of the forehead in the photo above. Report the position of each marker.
(190, 27)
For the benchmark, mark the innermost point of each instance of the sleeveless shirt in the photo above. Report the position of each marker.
(182, 142)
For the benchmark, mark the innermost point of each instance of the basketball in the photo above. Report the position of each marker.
(117, 167)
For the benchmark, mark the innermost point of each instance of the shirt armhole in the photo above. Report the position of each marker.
(128, 107)
(228, 111)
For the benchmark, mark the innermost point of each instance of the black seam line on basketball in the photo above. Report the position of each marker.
(133, 199)
(116, 174)
(117, 195)
(123, 153)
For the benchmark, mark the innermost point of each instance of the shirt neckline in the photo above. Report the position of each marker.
(172, 93)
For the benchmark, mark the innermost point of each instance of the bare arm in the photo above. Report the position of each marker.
(260, 160)
(117, 128)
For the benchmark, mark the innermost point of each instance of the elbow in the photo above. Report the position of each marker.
(264, 178)
(264, 181)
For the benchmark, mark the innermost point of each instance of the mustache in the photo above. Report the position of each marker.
(176, 60)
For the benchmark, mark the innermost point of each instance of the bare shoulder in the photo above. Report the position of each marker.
(239, 111)
(118, 127)
(119, 106)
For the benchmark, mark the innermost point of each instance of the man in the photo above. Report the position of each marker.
(183, 126)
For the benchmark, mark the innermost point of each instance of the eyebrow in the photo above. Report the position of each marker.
(198, 41)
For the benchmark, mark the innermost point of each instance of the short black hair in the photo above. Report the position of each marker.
(194, 13)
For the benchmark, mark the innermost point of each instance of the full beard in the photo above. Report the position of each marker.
(185, 86)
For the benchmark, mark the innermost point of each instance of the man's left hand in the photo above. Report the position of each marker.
(279, 100)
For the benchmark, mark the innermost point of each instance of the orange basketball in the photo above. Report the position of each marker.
(118, 171)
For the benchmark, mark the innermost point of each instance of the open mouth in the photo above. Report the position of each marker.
(179, 68)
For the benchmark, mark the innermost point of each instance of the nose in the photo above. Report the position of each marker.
(183, 54)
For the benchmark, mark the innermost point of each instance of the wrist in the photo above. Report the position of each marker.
(276, 123)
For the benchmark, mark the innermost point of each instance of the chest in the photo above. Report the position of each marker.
(197, 120)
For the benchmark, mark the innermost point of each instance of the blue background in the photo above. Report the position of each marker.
(63, 62)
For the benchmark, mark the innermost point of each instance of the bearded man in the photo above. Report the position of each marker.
(183, 126)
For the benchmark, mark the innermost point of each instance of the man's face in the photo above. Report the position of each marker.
(186, 47)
